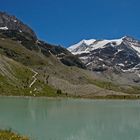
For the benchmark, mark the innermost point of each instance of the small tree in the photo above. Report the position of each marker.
(59, 91)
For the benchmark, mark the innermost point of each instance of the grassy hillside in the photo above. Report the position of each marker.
(18, 66)
(8, 135)
(15, 79)
(16, 51)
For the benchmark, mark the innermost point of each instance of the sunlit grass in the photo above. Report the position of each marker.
(8, 135)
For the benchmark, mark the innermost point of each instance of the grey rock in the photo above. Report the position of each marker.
(12, 23)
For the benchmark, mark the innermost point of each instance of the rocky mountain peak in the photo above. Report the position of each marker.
(127, 38)
(101, 55)
(9, 22)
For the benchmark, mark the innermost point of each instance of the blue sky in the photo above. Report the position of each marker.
(66, 22)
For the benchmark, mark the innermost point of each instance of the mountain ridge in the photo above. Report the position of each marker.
(126, 45)
(89, 42)
(10, 22)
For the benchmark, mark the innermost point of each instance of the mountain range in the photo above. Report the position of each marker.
(91, 68)
(120, 56)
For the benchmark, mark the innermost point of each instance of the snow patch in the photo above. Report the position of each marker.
(101, 59)
(88, 63)
(20, 31)
(119, 50)
(136, 48)
(135, 68)
(84, 58)
(84, 41)
(91, 45)
(4, 28)
(121, 64)
(138, 75)
(103, 43)
(80, 52)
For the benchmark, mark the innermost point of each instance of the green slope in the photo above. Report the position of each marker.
(8, 135)
(15, 79)
(18, 63)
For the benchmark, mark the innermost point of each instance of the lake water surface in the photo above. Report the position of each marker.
(71, 119)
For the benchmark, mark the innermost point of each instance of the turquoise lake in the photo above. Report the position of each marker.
(71, 119)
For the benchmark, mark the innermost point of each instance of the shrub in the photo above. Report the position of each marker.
(59, 91)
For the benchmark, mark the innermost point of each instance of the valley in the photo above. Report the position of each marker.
(89, 69)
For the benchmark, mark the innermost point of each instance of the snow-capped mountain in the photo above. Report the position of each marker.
(100, 55)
